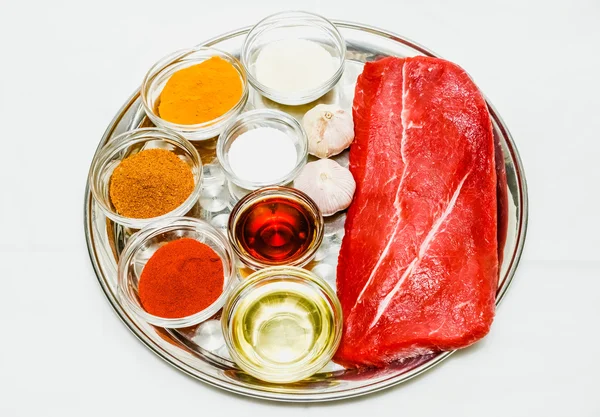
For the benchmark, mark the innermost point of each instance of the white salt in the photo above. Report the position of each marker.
(262, 155)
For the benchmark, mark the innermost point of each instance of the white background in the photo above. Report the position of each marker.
(65, 70)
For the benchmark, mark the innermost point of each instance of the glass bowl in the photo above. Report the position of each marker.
(159, 74)
(263, 118)
(272, 195)
(130, 143)
(282, 324)
(142, 246)
(294, 25)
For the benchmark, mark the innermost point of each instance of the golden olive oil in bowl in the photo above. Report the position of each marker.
(282, 324)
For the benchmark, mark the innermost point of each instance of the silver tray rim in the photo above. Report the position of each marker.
(316, 397)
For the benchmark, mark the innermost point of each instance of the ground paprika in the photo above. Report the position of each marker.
(182, 278)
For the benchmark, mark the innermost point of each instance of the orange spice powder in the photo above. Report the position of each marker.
(150, 183)
(200, 93)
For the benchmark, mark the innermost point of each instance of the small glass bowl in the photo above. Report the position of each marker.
(130, 143)
(159, 74)
(143, 244)
(263, 118)
(294, 25)
(244, 345)
(272, 193)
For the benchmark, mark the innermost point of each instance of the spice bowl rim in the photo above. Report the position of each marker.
(106, 155)
(173, 224)
(283, 272)
(279, 20)
(256, 116)
(200, 131)
(276, 191)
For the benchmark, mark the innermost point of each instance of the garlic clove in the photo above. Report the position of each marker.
(330, 130)
(328, 183)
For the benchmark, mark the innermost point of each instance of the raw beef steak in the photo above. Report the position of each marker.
(418, 267)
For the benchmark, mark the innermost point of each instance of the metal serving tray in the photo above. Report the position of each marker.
(199, 351)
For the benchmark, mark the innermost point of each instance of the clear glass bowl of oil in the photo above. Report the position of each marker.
(282, 324)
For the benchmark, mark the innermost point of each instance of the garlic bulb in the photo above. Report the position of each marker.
(330, 130)
(328, 183)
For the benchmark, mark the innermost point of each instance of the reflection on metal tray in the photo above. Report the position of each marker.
(200, 350)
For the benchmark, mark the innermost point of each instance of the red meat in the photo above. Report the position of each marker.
(418, 267)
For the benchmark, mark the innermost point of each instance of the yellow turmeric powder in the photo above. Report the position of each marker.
(200, 93)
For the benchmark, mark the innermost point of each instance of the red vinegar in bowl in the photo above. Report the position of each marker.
(275, 226)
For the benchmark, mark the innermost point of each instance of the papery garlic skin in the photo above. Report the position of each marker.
(330, 130)
(328, 183)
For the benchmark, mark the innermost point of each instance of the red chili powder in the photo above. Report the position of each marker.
(181, 278)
